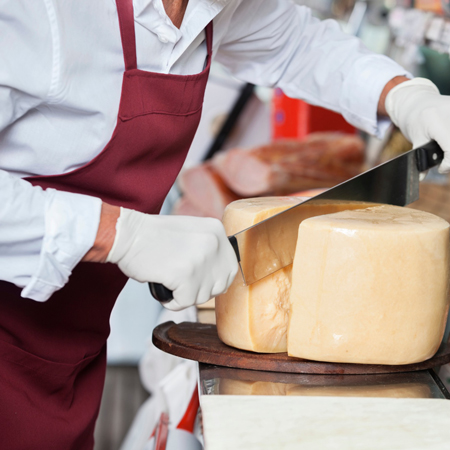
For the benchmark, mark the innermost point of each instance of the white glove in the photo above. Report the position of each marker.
(191, 256)
(421, 113)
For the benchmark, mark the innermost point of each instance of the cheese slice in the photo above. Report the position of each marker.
(370, 286)
(255, 317)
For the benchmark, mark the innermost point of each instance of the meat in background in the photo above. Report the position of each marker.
(183, 207)
(282, 167)
(204, 193)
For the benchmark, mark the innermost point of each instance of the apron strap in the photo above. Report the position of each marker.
(209, 39)
(127, 33)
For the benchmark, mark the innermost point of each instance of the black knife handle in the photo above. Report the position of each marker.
(234, 244)
(164, 295)
(160, 292)
(428, 156)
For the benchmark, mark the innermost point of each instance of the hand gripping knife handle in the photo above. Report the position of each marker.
(164, 295)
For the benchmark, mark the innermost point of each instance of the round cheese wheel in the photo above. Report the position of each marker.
(370, 286)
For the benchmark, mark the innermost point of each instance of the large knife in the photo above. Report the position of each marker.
(270, 245)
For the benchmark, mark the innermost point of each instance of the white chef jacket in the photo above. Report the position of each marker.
(61, 67)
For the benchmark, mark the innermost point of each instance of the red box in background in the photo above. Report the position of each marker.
(293, 118)
(435, 6)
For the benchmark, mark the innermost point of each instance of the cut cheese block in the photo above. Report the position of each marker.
(210, 304)
(206, 316)
(255, 317)
(373, 289)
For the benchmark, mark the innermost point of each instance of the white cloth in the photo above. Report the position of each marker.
(169, 379)
(155, 365)
(172, 395)
(61, 68)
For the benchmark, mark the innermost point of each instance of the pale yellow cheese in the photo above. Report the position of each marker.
(206, 316)
(255, 317)
(370, 286)
(210, 304)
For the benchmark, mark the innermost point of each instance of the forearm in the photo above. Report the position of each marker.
(105, 234)
(389, 86)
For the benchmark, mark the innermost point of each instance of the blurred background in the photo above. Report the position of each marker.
(283, 147)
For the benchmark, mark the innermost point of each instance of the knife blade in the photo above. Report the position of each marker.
(270, 245)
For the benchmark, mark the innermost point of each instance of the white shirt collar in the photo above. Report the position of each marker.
(151, 15)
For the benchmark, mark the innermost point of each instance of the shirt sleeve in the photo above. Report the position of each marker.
(277, 43)
(43, 233)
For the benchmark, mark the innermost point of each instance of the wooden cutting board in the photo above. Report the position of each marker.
(200, 342)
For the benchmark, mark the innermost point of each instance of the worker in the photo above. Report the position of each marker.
(100, 101)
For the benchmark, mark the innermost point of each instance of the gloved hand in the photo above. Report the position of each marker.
(189, 255)
(421, 113)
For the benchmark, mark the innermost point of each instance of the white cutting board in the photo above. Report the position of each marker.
(324, 423)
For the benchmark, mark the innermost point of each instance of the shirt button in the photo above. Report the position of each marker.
(163, 39)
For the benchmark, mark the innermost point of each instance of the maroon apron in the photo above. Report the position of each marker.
(53, 354)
